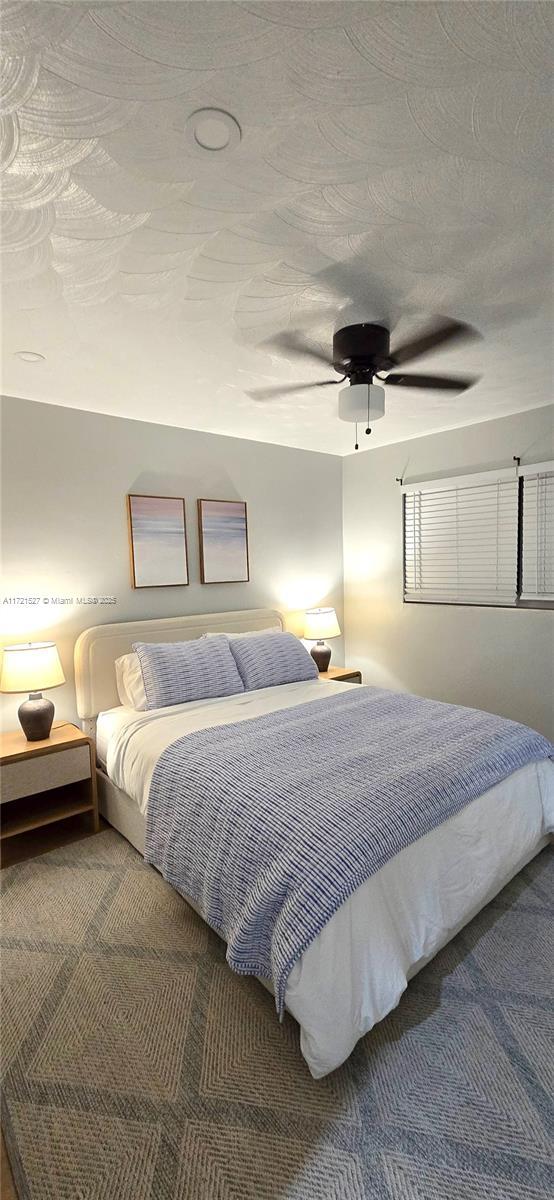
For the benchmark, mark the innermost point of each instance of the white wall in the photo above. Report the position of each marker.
(497, 659)
(65, 475)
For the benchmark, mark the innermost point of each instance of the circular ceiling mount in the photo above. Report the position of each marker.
(212, 131)
(30, 356)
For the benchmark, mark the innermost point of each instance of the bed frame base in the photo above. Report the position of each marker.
(119, 810)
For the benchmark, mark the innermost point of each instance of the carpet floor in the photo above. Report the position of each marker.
(138, 1067)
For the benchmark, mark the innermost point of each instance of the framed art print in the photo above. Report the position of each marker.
(223, 541)
(158, 541)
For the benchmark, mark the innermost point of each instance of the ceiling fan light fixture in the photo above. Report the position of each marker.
(361, 402)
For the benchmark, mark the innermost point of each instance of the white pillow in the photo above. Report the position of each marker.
(130, 684)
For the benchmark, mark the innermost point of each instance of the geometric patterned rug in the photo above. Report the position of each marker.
(138, 1067)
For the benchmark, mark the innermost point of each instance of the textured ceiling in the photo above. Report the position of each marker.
(410, 141)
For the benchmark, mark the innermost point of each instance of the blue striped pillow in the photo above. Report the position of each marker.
(270, 659)
(179, 672)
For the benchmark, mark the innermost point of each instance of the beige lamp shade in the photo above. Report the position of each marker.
(31, 667)
(321, 623)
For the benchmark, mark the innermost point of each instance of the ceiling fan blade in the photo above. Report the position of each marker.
(291, 342)
(440, 334)
(273, 393)
(439, 383)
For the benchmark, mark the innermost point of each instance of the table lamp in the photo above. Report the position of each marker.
(321, 623)
(32, 667)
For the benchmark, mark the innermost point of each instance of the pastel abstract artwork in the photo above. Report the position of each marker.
(158, 541)
(223, 540)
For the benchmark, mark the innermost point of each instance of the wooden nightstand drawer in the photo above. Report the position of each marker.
(43, 773)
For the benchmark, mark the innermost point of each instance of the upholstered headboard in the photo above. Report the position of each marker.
(96, 649)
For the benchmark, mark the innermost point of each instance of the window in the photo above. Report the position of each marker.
(537, 576)
(482, 539)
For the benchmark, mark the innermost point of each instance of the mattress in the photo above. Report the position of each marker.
(355, 971)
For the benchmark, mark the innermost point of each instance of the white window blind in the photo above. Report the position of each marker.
(461, 540)
(537, 580)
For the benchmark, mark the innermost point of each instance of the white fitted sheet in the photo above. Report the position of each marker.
(357, 968)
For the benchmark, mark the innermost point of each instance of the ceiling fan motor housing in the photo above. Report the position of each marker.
(361, 350)
(362, 402)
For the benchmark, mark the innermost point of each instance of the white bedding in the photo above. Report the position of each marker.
(355, 971)
(130, 743)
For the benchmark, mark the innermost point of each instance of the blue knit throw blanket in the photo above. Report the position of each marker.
(271, 823)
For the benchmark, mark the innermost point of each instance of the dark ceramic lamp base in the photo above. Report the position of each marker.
(35, 716)
(321, 655)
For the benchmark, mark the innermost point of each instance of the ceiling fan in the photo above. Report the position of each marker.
(360, 354)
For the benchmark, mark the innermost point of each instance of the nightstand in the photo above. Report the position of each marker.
(343, 674)
(43, 782)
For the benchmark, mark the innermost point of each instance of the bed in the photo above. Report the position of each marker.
(355, 970)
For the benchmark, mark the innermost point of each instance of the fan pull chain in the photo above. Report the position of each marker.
(368, 430)
(356, 447)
